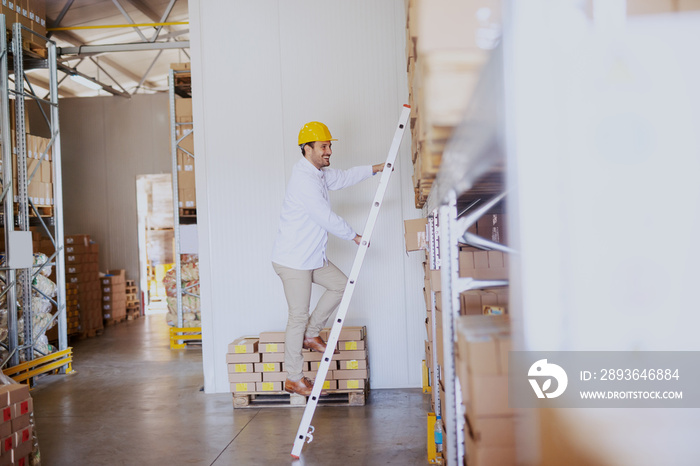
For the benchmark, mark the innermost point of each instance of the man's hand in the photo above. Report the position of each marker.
(377, 168)
(357, 239)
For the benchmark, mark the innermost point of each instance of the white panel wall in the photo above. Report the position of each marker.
(260, 71)
(106, 142)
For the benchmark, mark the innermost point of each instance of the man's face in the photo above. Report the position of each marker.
(320, 154)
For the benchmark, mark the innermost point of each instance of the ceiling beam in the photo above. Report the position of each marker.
(71, 38)
(44, 84)
(146, 10)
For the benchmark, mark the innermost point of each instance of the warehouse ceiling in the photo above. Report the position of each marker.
(78, 25)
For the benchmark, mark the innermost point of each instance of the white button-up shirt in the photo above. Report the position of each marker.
(307, 218)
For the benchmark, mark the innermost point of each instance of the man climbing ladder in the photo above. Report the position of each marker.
(299, 254)
(305, 429)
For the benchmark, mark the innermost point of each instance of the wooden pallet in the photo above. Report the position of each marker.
(114, 321)
(288, 400)
(44, 210)
(132, 314)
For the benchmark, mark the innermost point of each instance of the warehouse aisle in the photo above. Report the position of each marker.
(135, 401)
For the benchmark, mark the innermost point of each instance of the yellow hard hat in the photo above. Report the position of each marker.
(314, 131)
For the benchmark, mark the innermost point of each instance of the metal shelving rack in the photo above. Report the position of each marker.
(175, 147)
(24, 90)
(468, 185)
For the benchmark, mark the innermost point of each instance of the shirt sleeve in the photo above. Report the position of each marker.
(339, 179)
(309, 195)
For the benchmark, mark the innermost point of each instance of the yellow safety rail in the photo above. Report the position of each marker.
(51, 362)
(433, 456)
(179, 341)
(426, 379)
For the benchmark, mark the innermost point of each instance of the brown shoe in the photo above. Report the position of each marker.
(302, 386)
(316, 344)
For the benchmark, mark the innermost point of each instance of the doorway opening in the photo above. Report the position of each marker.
(154, 199)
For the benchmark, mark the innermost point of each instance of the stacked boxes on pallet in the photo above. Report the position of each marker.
(113, 296)
(16, 431)
(351, 366)
(185, 161)
(242, 355)
(256, 365)
(82, 271)
(481, 360)
(271, 365)
(133, 303)
(72, 309)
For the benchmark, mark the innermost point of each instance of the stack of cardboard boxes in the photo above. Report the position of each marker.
(481, 361)
(39, 167)
(113, 285)
(16, 432)
(447, 44)
(133, 303)
(82, 272)
(30, 13)
(257, 365)
(185, 154)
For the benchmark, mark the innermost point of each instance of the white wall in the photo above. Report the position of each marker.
(105, 143)
(260, 71)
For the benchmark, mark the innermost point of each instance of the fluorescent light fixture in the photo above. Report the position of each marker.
(85, 82)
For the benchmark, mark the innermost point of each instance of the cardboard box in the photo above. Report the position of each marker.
(22, 436)
(5, 429)
(475, 302)
(351, 345)
(274, 376)
(7, 444)
(351, 374)
(274, 357)
(272, 337)
(78, 239)
(496, 431)
(180, 66)
(243, 345)
(351, 334)
(23, 407)
(186, 180)
(269, 386)
(312, 356)
(314, 366)
(483, 342)
(246, 377)
(20, 422)
(415, 234)
(183, 109)
(271, 348)
(268, 367)
(240, 368)
(15, 393)
(243, 387)
(351, 384)
(352, 364)
(483, 265)
(350, 355)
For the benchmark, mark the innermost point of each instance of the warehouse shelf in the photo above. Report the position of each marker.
(470, 184)
(180, 86)
(28, 213)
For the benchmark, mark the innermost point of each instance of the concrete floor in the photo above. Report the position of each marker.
(134, 401)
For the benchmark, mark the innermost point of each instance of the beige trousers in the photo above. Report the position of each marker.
(297, 289)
